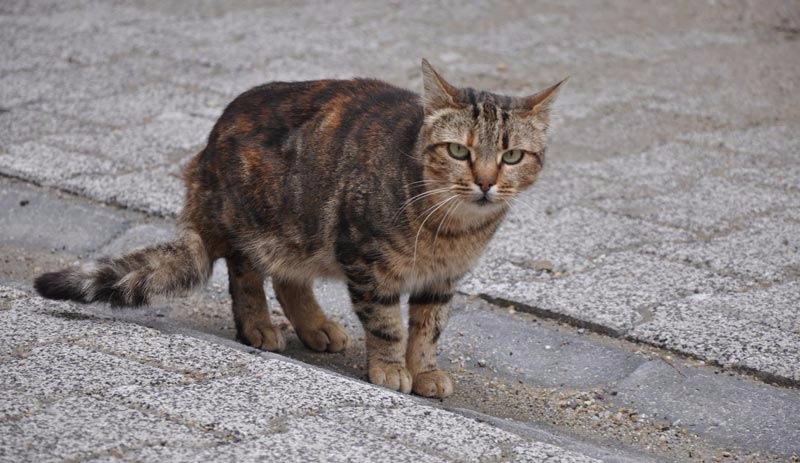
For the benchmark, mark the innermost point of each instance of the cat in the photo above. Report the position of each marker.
(355, 180)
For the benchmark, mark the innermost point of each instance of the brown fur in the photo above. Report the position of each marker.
(340, 179)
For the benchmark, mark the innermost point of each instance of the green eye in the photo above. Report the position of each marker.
(513, 156)
(459, 152)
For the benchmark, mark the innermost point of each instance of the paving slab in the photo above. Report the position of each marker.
(19, 125)
(777, 141)
(769, 417)
(766, 249)
(738, 330)
(533, 246)
(116, 397)
(137, 106)
(306, 439)
(77, 428)
(708, 206)
(31, 220)
(60, 370)
(168, 137)
(533, 354)
(228, 404)
(615, 294)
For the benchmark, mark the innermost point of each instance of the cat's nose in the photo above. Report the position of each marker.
(484, 184)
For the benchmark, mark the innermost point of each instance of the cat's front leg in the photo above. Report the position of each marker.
(385, 334)
(427, 317)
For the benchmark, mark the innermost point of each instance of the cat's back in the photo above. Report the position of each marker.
(273, 112)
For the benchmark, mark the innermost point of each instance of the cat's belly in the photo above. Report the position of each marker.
(292, 263)
(401, 270)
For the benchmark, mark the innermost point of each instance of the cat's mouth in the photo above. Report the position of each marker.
(483, 201)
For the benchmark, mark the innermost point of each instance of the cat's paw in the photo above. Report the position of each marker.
(269, 338)
(434, 383)
(390, 375)
(330, 337)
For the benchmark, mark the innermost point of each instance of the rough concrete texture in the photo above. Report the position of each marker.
(683, 395)
(171, 398)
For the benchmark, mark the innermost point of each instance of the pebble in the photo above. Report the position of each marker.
(481, 363)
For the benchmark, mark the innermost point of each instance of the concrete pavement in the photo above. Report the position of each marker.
(79, 386)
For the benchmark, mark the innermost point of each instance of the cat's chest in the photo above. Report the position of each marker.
(435, 258)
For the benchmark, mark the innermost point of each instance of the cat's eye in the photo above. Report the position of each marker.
(513, 156)
(457, 151)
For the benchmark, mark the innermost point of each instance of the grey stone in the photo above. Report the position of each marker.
(84, 83)
(563, 238)
(767, 249)
(59, 370)
(16, 403)
(36, 321)
(50, 166)
(776, 141)
(710, 205)
(535, 452)
(455, 437)
(34, 220)
(786, 176)
(19, 125)
(304, 439)
(164, 140)
(197, 359)
(247, 405)
(665, 168)
(733, 410)
(81, 427)
(632, 130)
(656, 47)
(138, 106)
(747, 330)
(723, 105)
(613, 294)
(521, 350)
(158, 190)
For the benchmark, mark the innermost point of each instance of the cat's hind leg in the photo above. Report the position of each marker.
(312, 326)
(250, 311)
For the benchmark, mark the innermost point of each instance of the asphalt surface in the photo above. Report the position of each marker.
(667, 220)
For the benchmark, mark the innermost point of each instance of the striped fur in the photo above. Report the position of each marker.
(133, 279)
(347, 179)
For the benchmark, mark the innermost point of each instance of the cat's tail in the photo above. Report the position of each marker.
(133, 279)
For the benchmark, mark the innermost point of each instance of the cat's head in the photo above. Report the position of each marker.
(483, 147)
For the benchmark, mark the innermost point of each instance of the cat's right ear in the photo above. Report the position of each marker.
(438, 94)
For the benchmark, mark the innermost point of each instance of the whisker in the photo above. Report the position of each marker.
(435, 208)
(418, 197)
(446, 216)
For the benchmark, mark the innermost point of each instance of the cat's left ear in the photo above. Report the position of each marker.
(438, 93)
(541, 101)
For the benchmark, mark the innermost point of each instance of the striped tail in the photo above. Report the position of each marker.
(133, 279)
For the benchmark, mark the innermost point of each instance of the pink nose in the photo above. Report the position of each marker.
(484, 184)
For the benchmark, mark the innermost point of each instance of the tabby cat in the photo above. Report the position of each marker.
(356, 180)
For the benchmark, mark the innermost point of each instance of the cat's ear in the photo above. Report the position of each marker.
(541, 101)
(437, 93)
